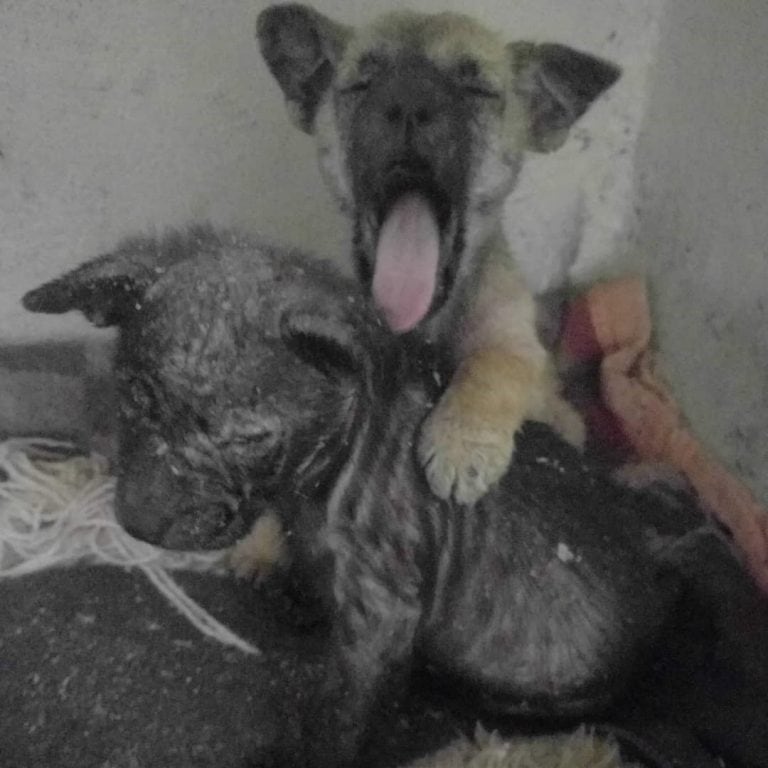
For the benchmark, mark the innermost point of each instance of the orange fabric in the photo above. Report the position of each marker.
(615, 318)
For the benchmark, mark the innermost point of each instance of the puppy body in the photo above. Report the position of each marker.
(421, 122)
(254, 381)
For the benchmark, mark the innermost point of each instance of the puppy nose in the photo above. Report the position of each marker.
(413, 101)
(409, 117)
(139, 529)
(138, 507)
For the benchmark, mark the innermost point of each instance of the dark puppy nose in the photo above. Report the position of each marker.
(406, 114)
(409, 114)
(141, 503)
(141, 528)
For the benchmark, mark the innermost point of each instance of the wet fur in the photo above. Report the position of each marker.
(255, 382)
(484, 104)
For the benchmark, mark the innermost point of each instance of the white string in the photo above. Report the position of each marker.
(57, 508)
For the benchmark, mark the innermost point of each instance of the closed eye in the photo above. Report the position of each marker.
(480, 91)
(470, 79)
(356, 88)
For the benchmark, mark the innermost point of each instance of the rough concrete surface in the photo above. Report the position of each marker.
(41, 390)
(58, 389)
(117, 117)
(120, 117)
(702, 238)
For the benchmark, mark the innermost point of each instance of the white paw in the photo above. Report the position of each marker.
(463, 458)
(261, 551)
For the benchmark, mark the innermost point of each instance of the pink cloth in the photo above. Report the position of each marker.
(611, 323)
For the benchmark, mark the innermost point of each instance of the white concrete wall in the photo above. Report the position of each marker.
(702, 169)
(122, 116)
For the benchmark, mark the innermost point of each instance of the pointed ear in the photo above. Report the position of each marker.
(108, 288)
(557, 85)
(301, 48)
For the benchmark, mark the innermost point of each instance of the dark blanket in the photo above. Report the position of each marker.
(97, 671)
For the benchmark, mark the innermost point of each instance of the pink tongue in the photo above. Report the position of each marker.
(406, 262)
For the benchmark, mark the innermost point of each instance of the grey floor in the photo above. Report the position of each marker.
(62, 390)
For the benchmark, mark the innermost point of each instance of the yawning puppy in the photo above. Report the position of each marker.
(421, 124)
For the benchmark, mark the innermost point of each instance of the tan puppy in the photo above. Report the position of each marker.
(421, 122)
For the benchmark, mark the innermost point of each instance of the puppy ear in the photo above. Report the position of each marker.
(109, 288)
(557, 85)
(301, 48)
(328, 343)
(106, 290)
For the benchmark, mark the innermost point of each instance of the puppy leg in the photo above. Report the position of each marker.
(377, 610)
(467, 442)
(339, 715)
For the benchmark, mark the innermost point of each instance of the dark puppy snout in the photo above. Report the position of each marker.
(205, 525)
(409, 111)
(411, 133)
(409, 168)
(139, 529)
(411, 108)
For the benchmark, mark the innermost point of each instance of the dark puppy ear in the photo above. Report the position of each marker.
(109, 288)
(557, 85)
(301, 48)
(106, 290)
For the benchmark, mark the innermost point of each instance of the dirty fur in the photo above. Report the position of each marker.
(440, 104)
(254, 381)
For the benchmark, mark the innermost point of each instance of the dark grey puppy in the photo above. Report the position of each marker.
(207, 382)
(251, 378)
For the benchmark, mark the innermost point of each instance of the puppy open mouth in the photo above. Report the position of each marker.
(412, 217)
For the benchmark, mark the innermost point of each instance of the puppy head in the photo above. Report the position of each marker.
(421, 122)
(239, 372)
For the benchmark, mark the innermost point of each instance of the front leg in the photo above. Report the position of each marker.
(503, 376)
(325, 727)
(339, 717)
(377, 611)
(467, 441)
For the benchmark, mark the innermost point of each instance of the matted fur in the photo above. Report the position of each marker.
(252, 380)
